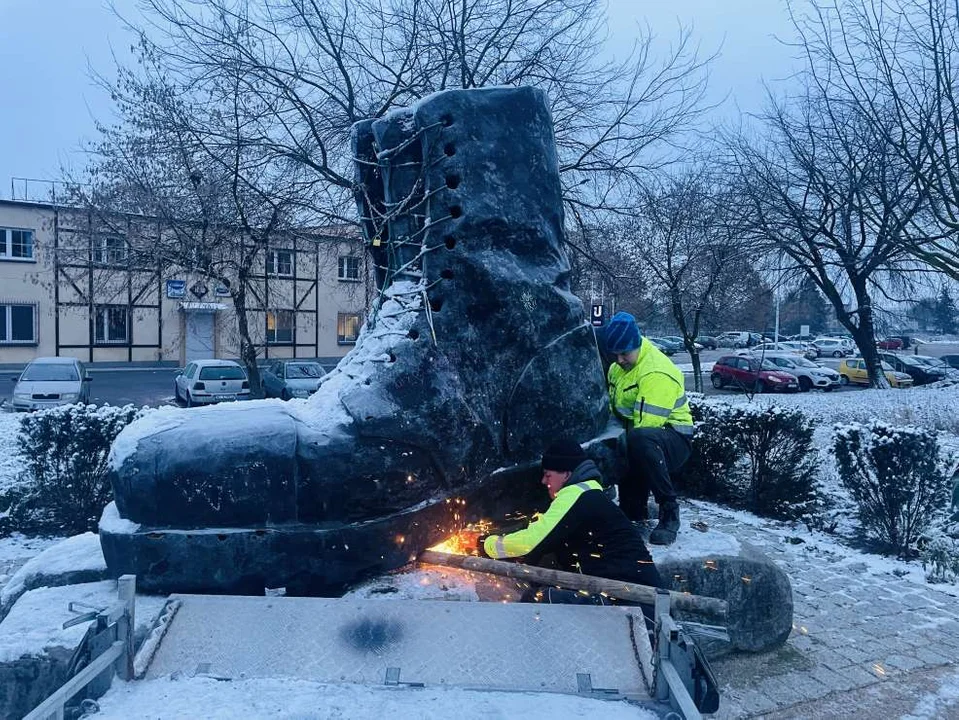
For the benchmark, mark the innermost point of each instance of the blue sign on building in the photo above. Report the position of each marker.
(175, 288)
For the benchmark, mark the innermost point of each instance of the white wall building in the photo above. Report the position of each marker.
(68, 288)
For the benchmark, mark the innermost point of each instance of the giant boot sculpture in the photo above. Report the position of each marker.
(473, 358)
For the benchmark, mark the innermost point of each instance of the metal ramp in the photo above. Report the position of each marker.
(592, 651)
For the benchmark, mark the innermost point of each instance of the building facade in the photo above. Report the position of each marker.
(70, 287)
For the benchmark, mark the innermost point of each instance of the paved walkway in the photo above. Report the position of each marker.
(867, 643)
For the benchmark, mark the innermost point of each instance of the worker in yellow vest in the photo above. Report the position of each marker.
(647, 395)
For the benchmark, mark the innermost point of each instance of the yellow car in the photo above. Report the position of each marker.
(853, 371)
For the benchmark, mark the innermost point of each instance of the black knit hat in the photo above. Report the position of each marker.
(564, 455)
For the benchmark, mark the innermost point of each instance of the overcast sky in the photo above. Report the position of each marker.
(50, 102)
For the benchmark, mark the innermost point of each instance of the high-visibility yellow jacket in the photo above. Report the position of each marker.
(585, 532)
(650, 395)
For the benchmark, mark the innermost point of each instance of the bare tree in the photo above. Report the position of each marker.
(195, 188)
(896, 61)
(315, 67)
(835, 199)
(682, 236)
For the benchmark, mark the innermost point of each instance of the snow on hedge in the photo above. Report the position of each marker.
(11, 464)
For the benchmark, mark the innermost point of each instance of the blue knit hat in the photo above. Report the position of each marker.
(622, 334)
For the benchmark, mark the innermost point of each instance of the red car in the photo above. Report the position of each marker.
(889, 344)
(751, 373)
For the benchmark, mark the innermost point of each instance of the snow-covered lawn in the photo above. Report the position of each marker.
(934, 407)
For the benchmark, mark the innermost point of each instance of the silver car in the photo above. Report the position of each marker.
(203, 382)
(287, 379)
(809, 374)
(49, 382)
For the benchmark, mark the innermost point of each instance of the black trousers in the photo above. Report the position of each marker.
(652, 454)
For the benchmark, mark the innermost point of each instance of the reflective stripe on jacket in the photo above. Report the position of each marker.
(584, 531)
(651, 394)
(523, 542)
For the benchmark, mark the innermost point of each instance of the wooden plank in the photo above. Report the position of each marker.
(54, 704)
(710, 607)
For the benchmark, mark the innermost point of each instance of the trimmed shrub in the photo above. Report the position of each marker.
(940, 560)
(779, 476)
(896, 478)
(759, 459)
(65, 485)
(715, 454)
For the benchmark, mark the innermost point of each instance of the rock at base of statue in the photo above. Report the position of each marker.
(758, 593)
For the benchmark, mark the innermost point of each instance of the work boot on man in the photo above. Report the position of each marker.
(665, 531)
(475, 355)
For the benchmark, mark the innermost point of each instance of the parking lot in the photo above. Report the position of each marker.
(707, 357)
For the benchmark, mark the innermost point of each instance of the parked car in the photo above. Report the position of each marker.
(203, 382)
(795, 348)
(890, 343)
(853, 371)
(49, 382)
(676, 342)
(751, 373)
(835, 347)
(287, 379)
(808, 374)
(950, 360)
(948, 371)
(733, 339)
(921, 372)
(707, 341)
(666, 347)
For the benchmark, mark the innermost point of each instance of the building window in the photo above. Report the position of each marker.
(279, 262)
(348, 327)
(348, 269)
(18, 324)
(112, 324)
(279, 327)
(109, 250)
(16, 244)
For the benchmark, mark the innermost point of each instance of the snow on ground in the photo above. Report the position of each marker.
(934, 407)
(75, 554)
(801, 544)
(17, 549)
(11, 464)
(36, 620)
(940, 704)
(200, 697)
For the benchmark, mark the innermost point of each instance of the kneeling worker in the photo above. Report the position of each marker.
(582, 528)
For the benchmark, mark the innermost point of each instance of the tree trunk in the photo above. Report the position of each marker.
(697, 371)
(865, 336)
(247, 347)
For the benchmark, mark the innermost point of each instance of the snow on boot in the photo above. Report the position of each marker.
(473, 358)
(665, 531)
